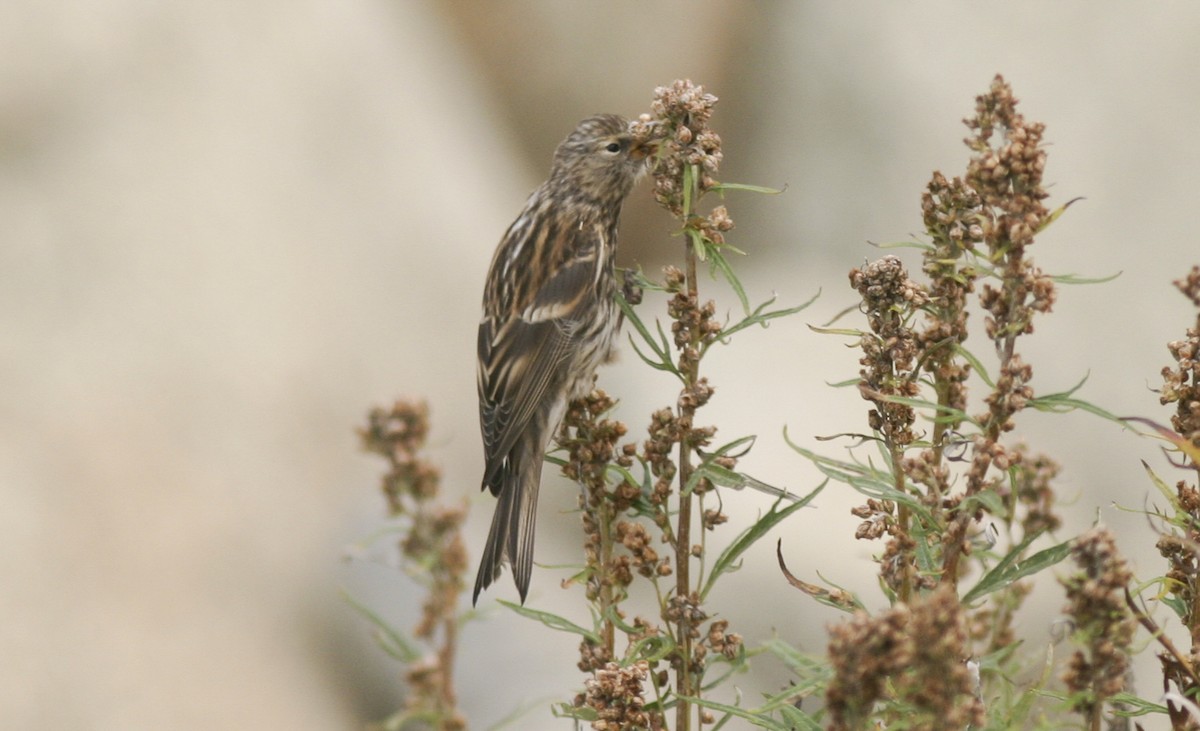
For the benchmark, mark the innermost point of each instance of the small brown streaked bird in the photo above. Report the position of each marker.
(549, 319)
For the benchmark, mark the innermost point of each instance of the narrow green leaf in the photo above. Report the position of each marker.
(1076, 279)
(721, 187)
(390, 640)
(759, 317)
(689, 182)
(864, 478)
(844, 384)
(975, 365)
(798, 720)
(553, 621)
(1167, 492)
(663, 365)
(1010, 569)
(988, 500)
(727, 561)
(849, 332)
(651, 648)
(657, 345)
(1062, 403)
(1058, 212)
(755, 717)
(918, 245)
(799, 662)
(946, 413)
(726, 246)
(699, 244)
(718, 475)
(727, 449)
(719, 263)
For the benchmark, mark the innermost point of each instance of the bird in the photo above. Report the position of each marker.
(550, 318)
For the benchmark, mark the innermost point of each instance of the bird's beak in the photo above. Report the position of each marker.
(644, 149)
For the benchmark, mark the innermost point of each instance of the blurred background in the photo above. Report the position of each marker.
(227, 229)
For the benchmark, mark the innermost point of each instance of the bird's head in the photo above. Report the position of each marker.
(601, 159)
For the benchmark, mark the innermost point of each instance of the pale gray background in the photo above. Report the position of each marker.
(228, 228)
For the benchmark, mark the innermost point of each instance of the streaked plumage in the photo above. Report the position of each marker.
(549, 319)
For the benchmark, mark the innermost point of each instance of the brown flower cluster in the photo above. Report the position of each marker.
(894, 656)
(1102, 621)
(1178, 544)
(1180, 552)
(642, 557)
(889, 299)
(432, 540)
(1032, 479)
(1002, 196)
(679, 122)
(1007, 175)
(433, 536)
(687, 613)
(1181, 383)
(397, 435)
(591, 442)
(1007, 172)
(665, 432)
(689, 319)
(669, 428)
(953, 219)
(616, 696)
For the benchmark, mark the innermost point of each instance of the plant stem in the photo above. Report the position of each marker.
(607, 602)
(904, 518)
(446, 660)
(683, 548)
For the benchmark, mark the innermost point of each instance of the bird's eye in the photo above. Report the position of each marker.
(613, 147)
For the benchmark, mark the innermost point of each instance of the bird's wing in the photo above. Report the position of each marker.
(524, 355)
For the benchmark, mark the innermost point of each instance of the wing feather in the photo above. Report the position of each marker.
(525, 359)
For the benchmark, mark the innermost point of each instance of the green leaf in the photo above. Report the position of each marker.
(390, 640)
(1076, 279)
(865, 478)
(845, 384)
(720, 475)
(813, 672)
(988, 500)
(1011, 569)
(1134, 706)
(918, 245)
(722, 187)
(798, 719)
(753, 716)
(720, 264)
(849, 332)
(947, 414)
(727, 561)
(759, 317)
(553, 621)
(699, 244)
(1063, 402)
(662, 354)
(1167, 492)
(1057, 212)
(658, 345)
(975, 365)
(627, 477)
(689, 183)
(651, 648)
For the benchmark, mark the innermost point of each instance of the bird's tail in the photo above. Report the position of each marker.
(510, 539)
